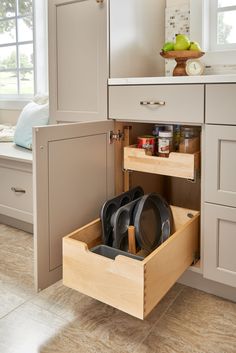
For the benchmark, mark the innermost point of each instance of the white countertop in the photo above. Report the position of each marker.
(8, 150)
(172, 80)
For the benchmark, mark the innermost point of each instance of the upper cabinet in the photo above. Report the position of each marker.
(78, 60)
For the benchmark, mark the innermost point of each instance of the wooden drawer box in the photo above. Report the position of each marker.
(220, 104)
(132, 286)
(157, 103)
(182, 165)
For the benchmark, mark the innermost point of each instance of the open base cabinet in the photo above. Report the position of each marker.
(133, 286)
(71, 194)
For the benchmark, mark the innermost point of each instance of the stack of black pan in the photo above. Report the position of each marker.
(149, 214)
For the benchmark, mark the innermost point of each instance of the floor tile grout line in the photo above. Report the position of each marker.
(17, 307)
(52, 312)
(39, 306)
(154, 324)
(159, 319)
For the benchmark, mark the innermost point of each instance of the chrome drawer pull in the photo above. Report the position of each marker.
(18, 190)
(161, 103)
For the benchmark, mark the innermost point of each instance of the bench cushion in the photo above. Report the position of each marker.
(33, 114)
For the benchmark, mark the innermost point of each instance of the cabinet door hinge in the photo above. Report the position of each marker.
(116, 136)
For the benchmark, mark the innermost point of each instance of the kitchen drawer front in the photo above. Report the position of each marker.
(220, 104)
(220, 165)
(169, 103)
(132, 286)
(220, 244)
(16, 196)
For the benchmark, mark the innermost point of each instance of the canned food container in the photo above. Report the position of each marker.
(148, 143)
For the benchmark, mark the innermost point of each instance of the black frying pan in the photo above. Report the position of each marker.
(152, 221)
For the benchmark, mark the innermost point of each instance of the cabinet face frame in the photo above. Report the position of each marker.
(219, 246)
(64, 88)
(220, 165)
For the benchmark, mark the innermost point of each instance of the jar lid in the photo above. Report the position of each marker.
(165, 134)
(188, 131)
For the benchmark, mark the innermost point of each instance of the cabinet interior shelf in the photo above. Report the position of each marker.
(182, 165)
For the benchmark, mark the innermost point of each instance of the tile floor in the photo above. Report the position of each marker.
(60, 320)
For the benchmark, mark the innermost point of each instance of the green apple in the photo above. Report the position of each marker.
(168, 46)
(195, 46)
(181, 42)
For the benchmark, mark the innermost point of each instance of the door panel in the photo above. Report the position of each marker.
(78, 62)
(67, 186)
(220, 244)
(73, 176)
(220, 162)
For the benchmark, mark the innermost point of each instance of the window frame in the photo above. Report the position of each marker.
(40, 64)
(214, 11)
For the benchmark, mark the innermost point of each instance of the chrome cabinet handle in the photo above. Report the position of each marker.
(18, 190)
(160, 103)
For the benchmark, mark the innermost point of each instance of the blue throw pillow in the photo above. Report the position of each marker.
(33, 114)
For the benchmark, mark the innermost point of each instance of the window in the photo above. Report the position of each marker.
(222, 24)
(16, 48)
(23, 50)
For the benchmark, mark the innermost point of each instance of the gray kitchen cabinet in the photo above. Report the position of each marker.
(76, 170)
(220, 165)
(78, 60)
(219, 226)
(220, 243)
(220, 104)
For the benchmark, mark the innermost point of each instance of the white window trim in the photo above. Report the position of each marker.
(40, 59)
(200, 23)
(214, 10)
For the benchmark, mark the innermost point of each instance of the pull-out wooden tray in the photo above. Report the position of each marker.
(182, 165)
(132, 286)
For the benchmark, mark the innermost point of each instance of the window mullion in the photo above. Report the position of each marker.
(213, 24)
(17, 50)
(226, 9)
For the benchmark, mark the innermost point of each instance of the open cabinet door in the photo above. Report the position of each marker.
(73, 171)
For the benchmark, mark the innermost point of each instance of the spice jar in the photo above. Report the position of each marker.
(165, 143)
(189, 140)
(176, 137)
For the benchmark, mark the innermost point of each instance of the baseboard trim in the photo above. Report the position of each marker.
(16, 223)
(196, 280)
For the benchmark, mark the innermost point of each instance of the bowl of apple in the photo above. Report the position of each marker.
(181, 51)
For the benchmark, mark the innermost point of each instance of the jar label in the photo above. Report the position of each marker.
(164, 146)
